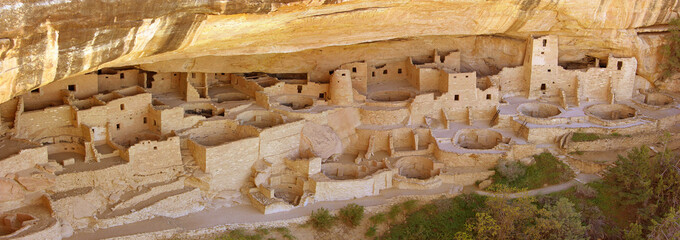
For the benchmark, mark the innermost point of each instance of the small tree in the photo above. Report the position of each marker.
(352, 214)
(321, 219)
(671, 51)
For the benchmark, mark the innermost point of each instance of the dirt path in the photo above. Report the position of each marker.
(248, 214)
(581, 178)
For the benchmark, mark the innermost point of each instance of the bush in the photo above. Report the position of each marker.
(352, 214)
(285, 232)
(371, 231)
(239, 234)
(378, 218)
(321, 219)
(585, 191)
(584, 137)
(410, 205)
(546, 171)
(511, 170)
(394, 211)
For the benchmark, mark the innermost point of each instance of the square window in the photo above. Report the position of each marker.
(549, 70)
(543, 87)
(343, 74)
(322, 95)
(399, 71)
(299, 88)
(488, 96)
(354, 69)
(456, 97)
(144, 120)
(72, 88)
(385, 71)
(373, 74)
(118, 126)
(122, 75)
(122, 107)
(155, 148)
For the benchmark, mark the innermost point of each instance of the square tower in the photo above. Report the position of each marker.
(541, 69)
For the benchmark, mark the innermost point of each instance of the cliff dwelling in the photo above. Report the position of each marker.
(166, 138)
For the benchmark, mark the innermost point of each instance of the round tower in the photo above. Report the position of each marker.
(340, 88)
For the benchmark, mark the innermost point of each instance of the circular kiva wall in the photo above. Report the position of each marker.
(390, 96)
(296, 102)
(260, 118)
(478, 138)
(657, 99)
(229, 97)
(611, 111)
(14, 222)
(539, 110)
(290, 193)
(416, 167)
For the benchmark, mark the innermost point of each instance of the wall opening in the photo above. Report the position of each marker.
(72, 87)
(488, 97)
(354, 69)
(399, 71)
(122, 107)
(193, 75)
(330, 72)
(322, 95)
(619, 65)
(384, 71)
(373, 74)
(543, 87)
(37, 90)
(299, 88)
(122, 75)
(545, 42)
(117, 126)
(456, 97)
(144, 120)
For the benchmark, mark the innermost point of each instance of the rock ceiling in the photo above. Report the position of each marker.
(46, 40)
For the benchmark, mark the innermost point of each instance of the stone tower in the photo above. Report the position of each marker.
(340, 88)
(541, 69)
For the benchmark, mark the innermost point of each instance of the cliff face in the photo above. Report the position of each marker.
(44, 41)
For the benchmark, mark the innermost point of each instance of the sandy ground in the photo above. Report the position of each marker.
(243, 214)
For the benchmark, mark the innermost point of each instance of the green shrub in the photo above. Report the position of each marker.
(321, 220)
(371, 231)
(546, 171)
(239, 234)
(511, 170)
(394, 211)
(584, 137)
(378, 218)
(285, 232)
(410, 205)
(352, 214)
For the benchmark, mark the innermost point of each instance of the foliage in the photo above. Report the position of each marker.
(585, 191)
(352, 214)
(440, 219)
(584, 137)
(321, 220)
(511, 170)
(559, 221)
(409, 205)
(546, 171)
(239, 234)
(634, 232)
(394, 212)
(668, 227)
(285, 232)
(631, 177)
(671, 51)
(378, 218)
(371, 231)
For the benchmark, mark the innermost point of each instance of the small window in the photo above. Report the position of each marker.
(619, 65)
(545, 42)
(72, 87)
(373, 74)
(193, 75)
(299, 88)
(385, 71)
(543, 87)
(456, 97)
(144, 120)
(542, 53)
(455, 76)
(174, 74)
(37, 90)
(399, 71)
(354, 69)
(118, 126)
(343, 74)
(122, 107)
(93, 130)
(331, 72)
(549, 70)
(222, 74)
(466, 76)
(154, 122)
(122, 75)
(322, 95)
(488, 97)
(155, 148)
